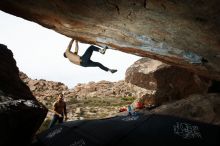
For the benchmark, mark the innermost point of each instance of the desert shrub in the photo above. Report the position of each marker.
(128, 98)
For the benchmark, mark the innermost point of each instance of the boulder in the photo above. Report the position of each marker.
(168, 82)
(20, 113)
(204, 108)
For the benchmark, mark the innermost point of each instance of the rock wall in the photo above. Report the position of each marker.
(179, 32)
(20, 113)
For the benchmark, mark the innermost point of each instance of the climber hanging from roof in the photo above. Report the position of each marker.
(84, 60)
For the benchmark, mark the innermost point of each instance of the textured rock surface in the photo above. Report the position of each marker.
(179, 32)
(109, 89)
(42, 88)
(205, 108)
(168, 82)
(20, 113)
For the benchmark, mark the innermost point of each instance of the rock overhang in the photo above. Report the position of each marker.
(181, 33)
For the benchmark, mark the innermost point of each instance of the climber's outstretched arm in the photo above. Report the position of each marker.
(70, 45)
(76, 47)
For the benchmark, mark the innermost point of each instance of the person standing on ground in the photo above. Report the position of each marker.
(85, 60)
(59, 110)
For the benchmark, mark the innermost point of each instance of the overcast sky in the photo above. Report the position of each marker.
(38, 52)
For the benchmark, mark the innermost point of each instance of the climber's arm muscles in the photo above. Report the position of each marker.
(70, 45)
(76, 47)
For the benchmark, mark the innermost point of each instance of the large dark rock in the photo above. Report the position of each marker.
(10, 81)
(20, 113)
(215, 87)
(168, 82)
(183, 33)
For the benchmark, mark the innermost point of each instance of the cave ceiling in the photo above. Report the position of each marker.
(184, 33)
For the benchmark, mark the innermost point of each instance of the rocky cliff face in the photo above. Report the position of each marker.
(178, 32)
(20, 113)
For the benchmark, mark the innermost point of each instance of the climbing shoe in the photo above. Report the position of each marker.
(113, 70)
(103, 50)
